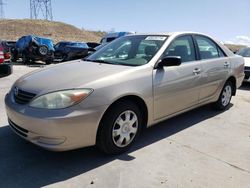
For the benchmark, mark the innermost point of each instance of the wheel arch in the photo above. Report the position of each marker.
(232, 79)
(135, 99)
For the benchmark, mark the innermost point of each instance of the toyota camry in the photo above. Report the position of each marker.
(132, 83)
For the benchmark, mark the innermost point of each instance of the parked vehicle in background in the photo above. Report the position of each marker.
(66, 51)
(8, 46)
(5, 70)
(92, 44)
(33, 48)
(1, 53)
(112, 36)
(131, 83)
(245, 53)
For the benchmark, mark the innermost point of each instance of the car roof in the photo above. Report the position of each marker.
(35, 36)
(171, 33)
(118, 34)
(71, 42)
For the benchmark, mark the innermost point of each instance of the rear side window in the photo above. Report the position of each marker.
(208, 49)
(182, 46)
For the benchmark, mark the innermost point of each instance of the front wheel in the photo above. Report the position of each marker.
(225, 97)
(119, 128)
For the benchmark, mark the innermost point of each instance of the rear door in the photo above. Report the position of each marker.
(215, 67)
(177, 88)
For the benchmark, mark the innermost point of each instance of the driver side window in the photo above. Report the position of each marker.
(182, 46)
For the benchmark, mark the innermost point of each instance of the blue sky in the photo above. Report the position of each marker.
(226, 20)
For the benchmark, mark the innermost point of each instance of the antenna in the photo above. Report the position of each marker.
(1, 9)
(41, 9)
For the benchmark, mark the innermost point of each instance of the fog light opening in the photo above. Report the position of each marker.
(51, 141)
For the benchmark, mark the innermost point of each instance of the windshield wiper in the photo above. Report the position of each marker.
(113, 63)
(98, 61)
(126, 64)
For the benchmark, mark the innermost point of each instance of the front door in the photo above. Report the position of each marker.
(177, 88)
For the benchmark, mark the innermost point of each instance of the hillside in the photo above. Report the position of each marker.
(57, 31)
(235, 47)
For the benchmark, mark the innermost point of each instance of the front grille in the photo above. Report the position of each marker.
(23, 97)
(19, 130)
(247, 71)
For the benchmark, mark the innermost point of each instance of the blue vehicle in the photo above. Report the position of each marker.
(66, 51)
(33, 48)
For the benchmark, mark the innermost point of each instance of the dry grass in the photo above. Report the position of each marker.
(57, 31)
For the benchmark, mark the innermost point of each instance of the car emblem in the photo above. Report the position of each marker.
(16, 91)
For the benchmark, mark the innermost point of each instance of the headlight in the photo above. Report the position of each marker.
(60, 99)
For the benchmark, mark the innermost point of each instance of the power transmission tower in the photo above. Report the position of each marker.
(1, 9)
(41, 9)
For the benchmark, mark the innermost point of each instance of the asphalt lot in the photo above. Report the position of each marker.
(201, 148)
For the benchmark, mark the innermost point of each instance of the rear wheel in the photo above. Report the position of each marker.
(48, 62)
(13, 56)
(25, 59)
(225, 97)
(119, 128)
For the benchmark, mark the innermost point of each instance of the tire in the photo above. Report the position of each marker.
(225, 97)
(65, 58)
(25, 59)
(48, 62)
(43, 50)
(13, 56)
(13, 59)
(114, 137)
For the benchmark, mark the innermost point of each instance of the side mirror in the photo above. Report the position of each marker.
(5, 70)
(169, 61)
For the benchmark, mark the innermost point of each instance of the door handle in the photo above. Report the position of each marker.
(226, 64)
(197, 71)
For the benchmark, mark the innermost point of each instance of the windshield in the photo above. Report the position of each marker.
(133, 50)
(72, 44)
(245, 52)
(45, 41)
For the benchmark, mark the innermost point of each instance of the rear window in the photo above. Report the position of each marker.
(45, 41)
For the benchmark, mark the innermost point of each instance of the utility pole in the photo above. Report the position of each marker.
(41, 9)
(1, 9)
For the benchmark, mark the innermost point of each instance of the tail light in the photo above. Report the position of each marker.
(7, 56)
(1, 55)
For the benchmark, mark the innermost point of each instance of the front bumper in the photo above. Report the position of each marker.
(247, 74)
(56, 130)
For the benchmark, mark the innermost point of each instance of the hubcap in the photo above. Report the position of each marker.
(125, 128)
(226, 95)
(43, 50)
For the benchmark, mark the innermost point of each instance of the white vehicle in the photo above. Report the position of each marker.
(245, 52)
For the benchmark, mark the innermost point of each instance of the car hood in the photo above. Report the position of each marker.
(247, 61)
(70, 75)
